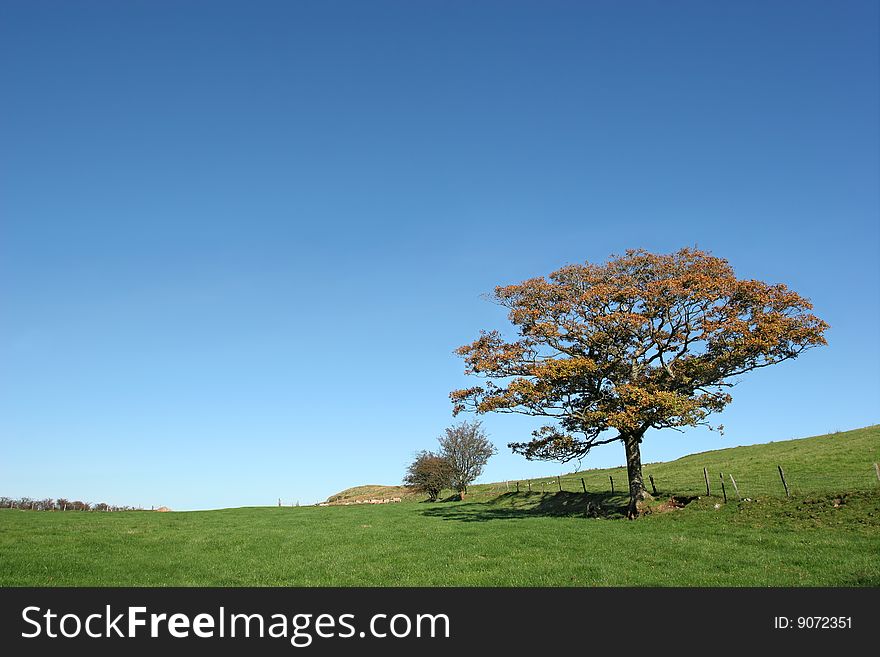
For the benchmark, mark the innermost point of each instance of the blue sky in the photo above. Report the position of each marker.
(239, 241)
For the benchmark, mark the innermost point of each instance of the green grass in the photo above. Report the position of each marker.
(835, 462)
(824, 535)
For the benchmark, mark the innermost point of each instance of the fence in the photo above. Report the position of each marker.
(739, 481)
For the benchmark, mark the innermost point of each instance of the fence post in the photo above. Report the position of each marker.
(507, 483)
(653, 487)
(517, 487)
(877, 471)
(735, 487)
(559, 483)
(530, 485)
(723, 492)
(706, 477)
(784, 485)
(583, 484)
(612, 484)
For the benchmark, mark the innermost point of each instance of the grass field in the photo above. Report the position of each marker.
(826, 534)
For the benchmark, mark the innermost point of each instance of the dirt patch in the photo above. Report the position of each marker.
(674, 503)
(835, 502)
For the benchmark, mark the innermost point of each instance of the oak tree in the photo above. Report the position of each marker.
(643, 341)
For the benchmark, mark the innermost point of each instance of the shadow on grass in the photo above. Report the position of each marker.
(450, 498)
(510, 506)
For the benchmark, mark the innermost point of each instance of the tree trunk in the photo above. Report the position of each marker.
(637, 490)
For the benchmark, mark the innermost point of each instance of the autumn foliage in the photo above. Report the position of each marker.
(429, 473)
(642, 341)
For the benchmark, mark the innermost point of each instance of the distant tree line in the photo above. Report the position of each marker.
(60, 504)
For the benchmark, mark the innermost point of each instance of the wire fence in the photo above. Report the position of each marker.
(777, 480)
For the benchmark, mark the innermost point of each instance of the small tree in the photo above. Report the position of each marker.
(467, 448)
(429, 473)
(641, 342)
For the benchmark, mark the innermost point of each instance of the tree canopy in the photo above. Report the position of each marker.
(429, 473)
(642, 341)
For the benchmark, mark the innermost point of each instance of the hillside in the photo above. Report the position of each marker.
(838, 461)
(369, 493)
(826, 534)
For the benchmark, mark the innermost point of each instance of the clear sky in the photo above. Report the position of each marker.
(239, 241)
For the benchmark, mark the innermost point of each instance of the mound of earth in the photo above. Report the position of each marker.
(371, 493)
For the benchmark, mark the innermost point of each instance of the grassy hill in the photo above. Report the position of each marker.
(826, 534)
(838, 461)
(370, 492)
